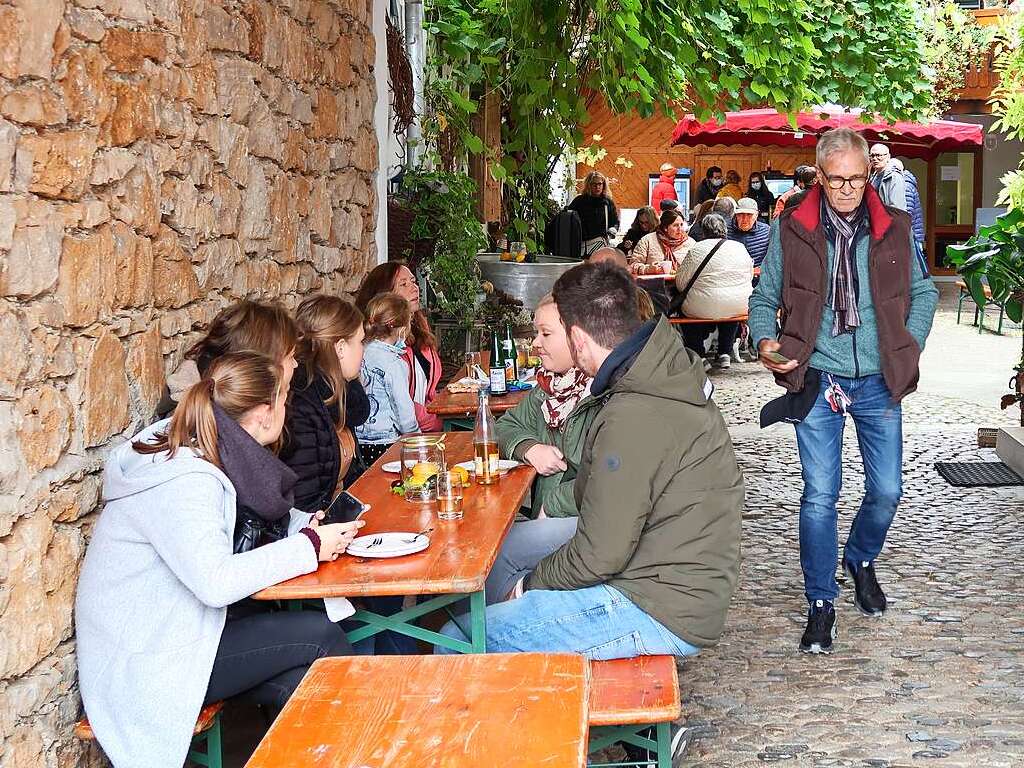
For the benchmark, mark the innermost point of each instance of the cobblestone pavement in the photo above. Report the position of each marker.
(938, 680)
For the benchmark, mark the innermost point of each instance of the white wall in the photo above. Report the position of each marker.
(1000, 155)
(381, 121)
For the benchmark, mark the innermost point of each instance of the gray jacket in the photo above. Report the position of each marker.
(152, 598)
(891, 186)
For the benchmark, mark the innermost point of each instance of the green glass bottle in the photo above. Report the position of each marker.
(496, 369)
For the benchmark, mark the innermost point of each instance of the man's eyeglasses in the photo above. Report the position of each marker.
(838, 182)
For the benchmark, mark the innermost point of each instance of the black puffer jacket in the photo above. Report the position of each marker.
(310, 445)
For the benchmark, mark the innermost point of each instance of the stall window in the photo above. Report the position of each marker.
(954, 198)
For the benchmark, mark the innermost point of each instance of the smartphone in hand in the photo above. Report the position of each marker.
(775, 357)
(344, 509)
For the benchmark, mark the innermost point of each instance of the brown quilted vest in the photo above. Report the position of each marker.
(805, 282)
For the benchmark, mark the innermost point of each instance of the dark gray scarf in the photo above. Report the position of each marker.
(264, 485)
(843, 231)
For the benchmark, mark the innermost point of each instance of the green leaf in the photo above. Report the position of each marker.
(473, 143)
(1014, 310)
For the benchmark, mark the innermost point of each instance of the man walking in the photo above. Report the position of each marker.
(887, 179)
(857, 304)
(655, 558)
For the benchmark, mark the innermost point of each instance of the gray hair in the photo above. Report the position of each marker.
(713, 225)
(725, 206)
(839, 140)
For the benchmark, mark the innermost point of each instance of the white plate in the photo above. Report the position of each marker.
(396, 466)
(392, 544)
(504, 465)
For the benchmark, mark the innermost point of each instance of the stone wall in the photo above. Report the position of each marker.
(158, 160)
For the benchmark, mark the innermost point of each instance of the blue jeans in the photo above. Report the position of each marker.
(819, 437)
(598, 622)
(527, 543)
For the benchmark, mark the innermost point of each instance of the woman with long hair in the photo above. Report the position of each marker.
(327, 401)
(645, 222)
(757, 189)
(160, 569)
(662, 250)
(599, 218)
(421, 347)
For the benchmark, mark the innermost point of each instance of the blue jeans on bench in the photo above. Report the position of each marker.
(598, 622)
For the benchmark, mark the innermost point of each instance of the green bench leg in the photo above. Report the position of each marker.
(637, 735)
(206, 746)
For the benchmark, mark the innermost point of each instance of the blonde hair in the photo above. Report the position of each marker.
(266, 328)
(595, 176)
(237, 382)
(649, 215)
(324, 321)
(384, 313)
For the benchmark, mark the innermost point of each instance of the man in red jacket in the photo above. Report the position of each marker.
(665, 189)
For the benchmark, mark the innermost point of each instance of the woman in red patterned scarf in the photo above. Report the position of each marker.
(547, 430)
(663, 249)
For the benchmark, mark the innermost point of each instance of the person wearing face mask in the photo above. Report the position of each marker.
(758, 190)
(154, 638)
(385, 377)
(709, 187)
(327, 401)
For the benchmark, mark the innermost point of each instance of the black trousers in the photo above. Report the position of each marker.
(694, 335)
(267, 653)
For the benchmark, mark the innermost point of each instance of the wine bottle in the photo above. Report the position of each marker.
(485, 441)
(509, 347)
(496, 371)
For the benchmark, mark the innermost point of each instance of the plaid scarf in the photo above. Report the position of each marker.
(669, 244)
(843, 231)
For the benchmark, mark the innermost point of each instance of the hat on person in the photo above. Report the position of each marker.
(666, 167)
(746, 205)
(668, 205)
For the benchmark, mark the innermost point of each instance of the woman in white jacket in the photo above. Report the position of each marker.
(721, 289)
(153, 641)
(668, 243)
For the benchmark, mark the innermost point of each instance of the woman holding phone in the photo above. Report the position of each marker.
(160, 570)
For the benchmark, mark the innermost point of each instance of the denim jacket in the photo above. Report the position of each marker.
(385, 377)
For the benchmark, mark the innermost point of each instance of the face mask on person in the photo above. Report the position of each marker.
(717, 182)
(755, 185)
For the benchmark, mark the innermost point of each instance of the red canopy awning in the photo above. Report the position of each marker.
(761, 127)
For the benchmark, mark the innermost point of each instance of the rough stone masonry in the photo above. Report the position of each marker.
(158, 160)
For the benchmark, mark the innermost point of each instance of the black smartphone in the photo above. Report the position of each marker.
(344, 509)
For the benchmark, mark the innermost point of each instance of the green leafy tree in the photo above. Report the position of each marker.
(544, 58)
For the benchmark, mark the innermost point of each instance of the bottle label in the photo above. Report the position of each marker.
(510, 371)
(490, 469)
(498, 380)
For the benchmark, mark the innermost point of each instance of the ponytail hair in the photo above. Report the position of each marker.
(385, 313)
(236, 382)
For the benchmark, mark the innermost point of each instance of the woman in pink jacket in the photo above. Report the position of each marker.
(421, 350)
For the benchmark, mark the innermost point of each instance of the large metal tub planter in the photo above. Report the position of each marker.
(527, 281)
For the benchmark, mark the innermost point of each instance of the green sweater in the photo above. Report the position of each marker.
(850, 354)
(523, 427)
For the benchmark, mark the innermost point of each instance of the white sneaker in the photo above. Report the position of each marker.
(723, 361)
(734, 353)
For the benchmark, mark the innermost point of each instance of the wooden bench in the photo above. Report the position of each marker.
(629, 697)
(689, 320)
(979, 312)
(206, 744)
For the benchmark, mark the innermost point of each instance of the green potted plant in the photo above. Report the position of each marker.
(995, 256)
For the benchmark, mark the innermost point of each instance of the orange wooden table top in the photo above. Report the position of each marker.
(460, 554)
(517, 710)
(464, 403)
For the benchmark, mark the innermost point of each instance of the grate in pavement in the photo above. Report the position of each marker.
(979, 473)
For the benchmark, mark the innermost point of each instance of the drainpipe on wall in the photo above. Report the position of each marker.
(415, 46)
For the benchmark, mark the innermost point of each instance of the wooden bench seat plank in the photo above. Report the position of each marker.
(634, 691)
(205, 720)
(512, 710)
(688, 320)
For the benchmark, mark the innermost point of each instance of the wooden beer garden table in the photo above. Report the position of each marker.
(454, 566)
(458, 410)
(518, 710)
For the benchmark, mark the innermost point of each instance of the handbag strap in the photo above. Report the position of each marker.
(677, 303)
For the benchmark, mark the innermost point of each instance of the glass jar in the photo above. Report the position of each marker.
(422, 457)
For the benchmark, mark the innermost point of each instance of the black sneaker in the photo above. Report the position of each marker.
(821, 628)
(868, 595)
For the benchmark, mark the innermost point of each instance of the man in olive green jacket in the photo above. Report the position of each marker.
(655, 559)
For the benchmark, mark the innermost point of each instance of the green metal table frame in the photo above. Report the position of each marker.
(206, 746)
(458, 423)
(659, 747)
(403, 622)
